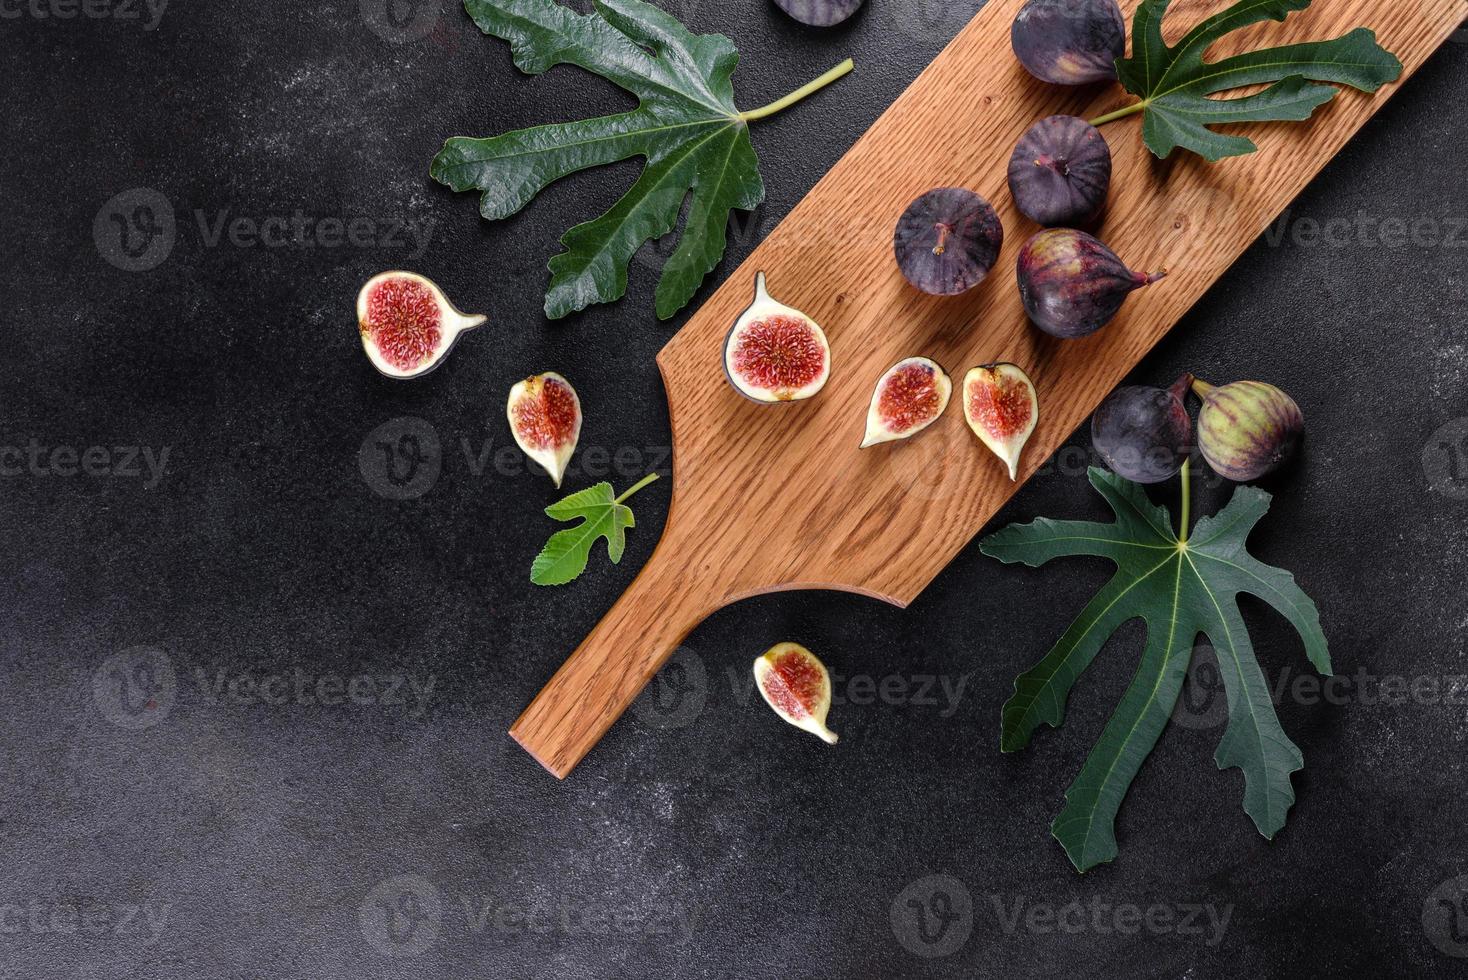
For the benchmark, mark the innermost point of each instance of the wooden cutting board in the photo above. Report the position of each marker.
(774, 497)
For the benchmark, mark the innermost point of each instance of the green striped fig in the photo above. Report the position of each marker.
(1248, 428)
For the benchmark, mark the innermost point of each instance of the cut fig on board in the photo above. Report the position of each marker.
(775, 353)
(794, 683)
(545, 416)
(908, 398)
(1001, 406)
(947, 240)
(407, 324)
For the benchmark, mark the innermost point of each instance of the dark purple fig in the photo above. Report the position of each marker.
(1069, 42)
(1060, 172)
(1248, 428)
(1072, 285)
(1143, 433)
(947, 241)
(820, 13)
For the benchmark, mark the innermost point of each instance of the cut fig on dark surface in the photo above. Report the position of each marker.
(820, 13)
(947, 240)
(909, 397)
(545, 416)
(1060, 172)
(407, 324)
(1001, 406)
(775, 353)
(796, 685)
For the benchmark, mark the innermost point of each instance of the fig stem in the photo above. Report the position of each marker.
(810, 88)
(637, 486)
(1182, 538)
(1125, 110)
(1202, 388)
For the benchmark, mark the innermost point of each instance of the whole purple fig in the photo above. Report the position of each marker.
(820, 13)
(947, 240)
(1069, 42)
(1060, 172)
(1248, 428)
(1072, 285)
(1142, 432)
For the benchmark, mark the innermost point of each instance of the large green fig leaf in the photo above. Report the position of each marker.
(1180, 589)
(686, 126)
(1174, 82)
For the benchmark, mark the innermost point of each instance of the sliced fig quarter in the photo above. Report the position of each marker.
(1001, 406)
(795, 684)
(407, 324)
(775, 353)
(908, 398)
(545, 416)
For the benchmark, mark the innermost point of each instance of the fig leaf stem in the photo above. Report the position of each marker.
(1182, 538)
(810, 88)
(638, 486)
(1125, 110)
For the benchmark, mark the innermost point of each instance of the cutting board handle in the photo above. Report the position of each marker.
(609, 669)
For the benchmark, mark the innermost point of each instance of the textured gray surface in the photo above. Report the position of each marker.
(256, 832)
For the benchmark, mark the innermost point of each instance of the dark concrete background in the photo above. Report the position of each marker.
(159, 817)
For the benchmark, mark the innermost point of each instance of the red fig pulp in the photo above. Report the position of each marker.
(908, 398)
(545, 416)
(775, 353)
(1002, 409)
(407, 324)
(795, 683)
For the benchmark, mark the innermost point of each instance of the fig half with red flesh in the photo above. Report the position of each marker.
(407, 324)
(775, 353)
(545, 416)
(909, 397)
(1001, 406)
(796, 685)
(947, 240)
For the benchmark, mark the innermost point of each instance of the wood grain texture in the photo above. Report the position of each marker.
(769, 498)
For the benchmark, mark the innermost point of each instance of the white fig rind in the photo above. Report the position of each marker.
(452, 323)
(877, 431)
(555, 460)
(765, 306)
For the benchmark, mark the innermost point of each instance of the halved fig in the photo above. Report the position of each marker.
(545, 416)
(1001, 406)
(908, 399)
(794, 683)
(407, 323)
(775, 353)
